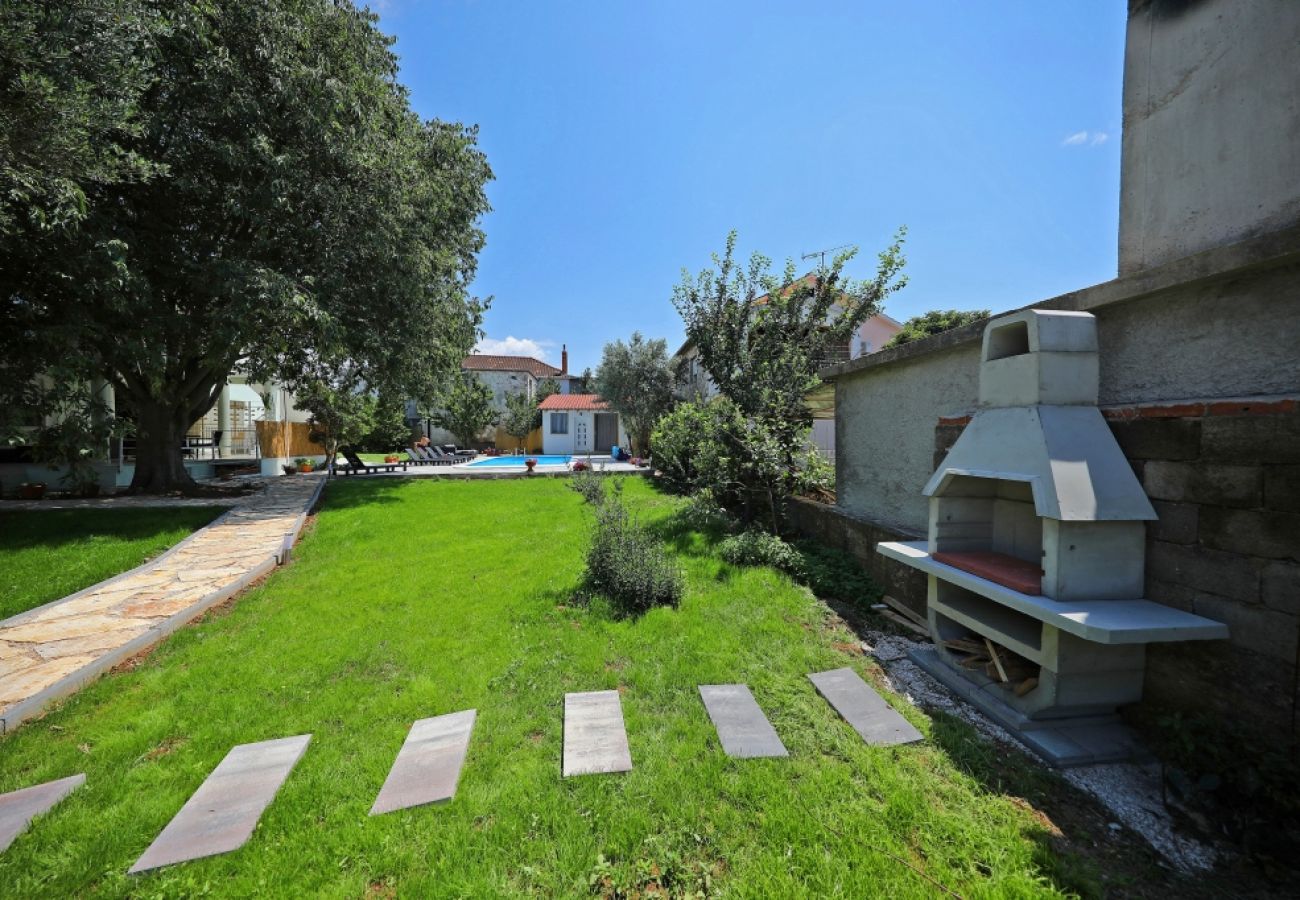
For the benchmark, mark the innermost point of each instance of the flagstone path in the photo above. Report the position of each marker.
(742, 728)
(18, 808)
(222, 813)
(53, 650)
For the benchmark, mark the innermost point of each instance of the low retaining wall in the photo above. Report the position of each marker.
(858, 537)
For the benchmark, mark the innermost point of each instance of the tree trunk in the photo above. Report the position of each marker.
(159, 465)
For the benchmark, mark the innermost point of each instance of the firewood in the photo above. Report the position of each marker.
(900, 607)
(1026, 686)
(993, 654)
(906, 623)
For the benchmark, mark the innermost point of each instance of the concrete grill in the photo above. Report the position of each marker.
(1036, 542)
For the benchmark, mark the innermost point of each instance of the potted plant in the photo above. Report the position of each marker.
(580, 466)
(31, 490)
(289, 468)
(304, 464)
(530, 463)
(390, 458)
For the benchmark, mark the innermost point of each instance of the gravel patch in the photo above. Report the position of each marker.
(1129, 791)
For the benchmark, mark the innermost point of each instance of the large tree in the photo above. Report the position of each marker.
(291, 217)
(636, 379)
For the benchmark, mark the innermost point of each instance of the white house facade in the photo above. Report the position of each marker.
(573, 424)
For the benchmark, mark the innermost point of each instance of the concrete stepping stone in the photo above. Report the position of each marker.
(18, 808)
(864, 709)
(594, 737)
(225, 809)
(428, 765)
(743, 729)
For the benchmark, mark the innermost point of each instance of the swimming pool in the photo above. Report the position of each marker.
(518, 461)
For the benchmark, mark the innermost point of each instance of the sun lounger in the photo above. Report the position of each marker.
(436, 457)
(358, 466)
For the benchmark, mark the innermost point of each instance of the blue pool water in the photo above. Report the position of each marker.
(519, 461)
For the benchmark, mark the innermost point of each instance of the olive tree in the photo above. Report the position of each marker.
(636, 380)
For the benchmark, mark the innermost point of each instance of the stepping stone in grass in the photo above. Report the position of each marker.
(223, 812)
(594, 738)
(428, 765)
(18, 808)
(743, 729)
(863, 708)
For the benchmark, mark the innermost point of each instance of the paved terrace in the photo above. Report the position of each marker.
(53, 650)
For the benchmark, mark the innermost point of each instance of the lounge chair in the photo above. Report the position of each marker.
(358, 466)
(416, 458)
(433, 457)
(450, 450)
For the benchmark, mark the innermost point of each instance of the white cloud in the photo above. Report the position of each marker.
(1080, 138)
(513, 346)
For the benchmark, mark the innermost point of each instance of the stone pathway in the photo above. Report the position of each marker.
(744, 731)
(428, 766)
(18, 808)
(222, 813)
(863, 708)
(595, 740)
(51, 651)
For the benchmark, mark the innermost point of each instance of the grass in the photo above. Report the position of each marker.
(413, 598)
(48, 554)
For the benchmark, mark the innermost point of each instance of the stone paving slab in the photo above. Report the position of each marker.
(53, 650)
(18, 808)
(428, 766)
(863, 708)
(744, 731)
(595, 740)
(223, 812)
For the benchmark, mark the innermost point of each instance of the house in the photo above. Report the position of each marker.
(579, 423)
(504, 375)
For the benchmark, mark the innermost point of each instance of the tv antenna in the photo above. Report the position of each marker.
(822, 253)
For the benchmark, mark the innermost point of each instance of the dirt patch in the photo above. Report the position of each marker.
(166, 747)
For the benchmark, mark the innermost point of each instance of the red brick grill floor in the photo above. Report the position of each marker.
(999, 568)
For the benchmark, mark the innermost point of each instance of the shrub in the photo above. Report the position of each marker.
(588, 484)
(703, 512)
(628, 564)
(834, 573)
(758, 548)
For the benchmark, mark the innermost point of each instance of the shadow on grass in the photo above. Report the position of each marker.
(355, 491)
(1071, 828)
(56, 527)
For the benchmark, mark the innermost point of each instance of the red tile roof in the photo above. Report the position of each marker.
(482, 362)
(574, 401)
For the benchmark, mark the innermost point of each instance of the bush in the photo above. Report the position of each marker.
(589, 485)
(703, 512)
(758, 548)
(628, 564)
(834, 573)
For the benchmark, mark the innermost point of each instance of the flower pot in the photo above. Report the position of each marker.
(32, 491)
(306, 468)
(529, 463)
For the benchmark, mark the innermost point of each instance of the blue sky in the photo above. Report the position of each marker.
(628, 139)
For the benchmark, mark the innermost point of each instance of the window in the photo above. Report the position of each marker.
(559, 423)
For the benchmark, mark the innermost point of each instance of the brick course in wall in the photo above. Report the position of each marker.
(1224, 477)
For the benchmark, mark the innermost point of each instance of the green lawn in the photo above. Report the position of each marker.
(48, 554)
(415, 598)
